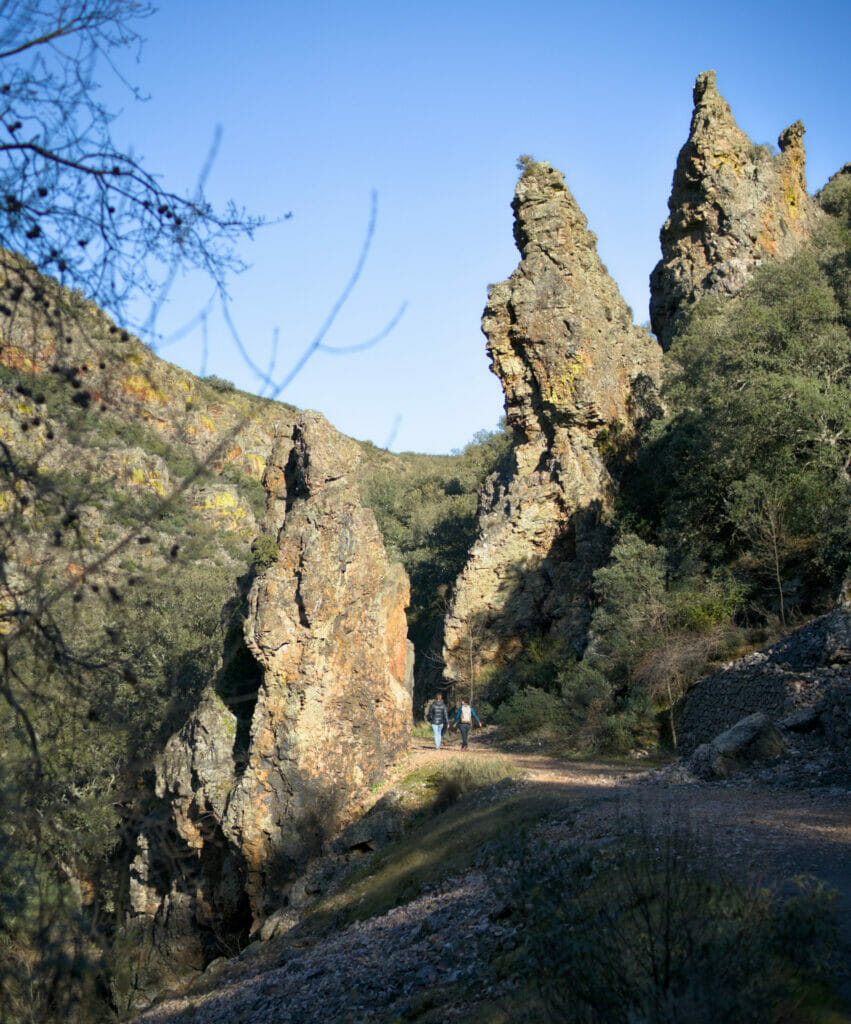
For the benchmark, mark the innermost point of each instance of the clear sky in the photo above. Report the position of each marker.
(429, 106)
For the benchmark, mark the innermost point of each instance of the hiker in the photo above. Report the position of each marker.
(464, 718)
(438, 716)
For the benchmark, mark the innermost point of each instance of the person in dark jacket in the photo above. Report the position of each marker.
(438, 716)
(464, 718)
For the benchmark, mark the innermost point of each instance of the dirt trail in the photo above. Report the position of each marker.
(372, 970)
(776, 832)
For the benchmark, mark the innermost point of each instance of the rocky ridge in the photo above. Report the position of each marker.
(733, 205)
(579, 380)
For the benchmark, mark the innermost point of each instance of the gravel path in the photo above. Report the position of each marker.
(425, 953)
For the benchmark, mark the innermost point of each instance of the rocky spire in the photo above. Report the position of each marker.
(733, 204)
(333, 668)
(578, 378)
(327, 625)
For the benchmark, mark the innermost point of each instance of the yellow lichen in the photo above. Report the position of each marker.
(140, 476)
(732, 160)
(139, 386)
(562, 386)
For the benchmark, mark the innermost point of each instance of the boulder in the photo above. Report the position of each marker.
(751, 739)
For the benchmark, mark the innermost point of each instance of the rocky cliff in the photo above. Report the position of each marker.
(579, 379)
(329, 704)
(733, 204)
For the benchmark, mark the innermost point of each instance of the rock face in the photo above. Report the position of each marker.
(733, 204)
(326, 625)
(578, 380)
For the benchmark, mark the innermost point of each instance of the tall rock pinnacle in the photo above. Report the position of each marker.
(578, 379)
(733, 204)
(327, 625)
(333, 672)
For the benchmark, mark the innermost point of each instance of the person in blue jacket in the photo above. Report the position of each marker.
(464, 718)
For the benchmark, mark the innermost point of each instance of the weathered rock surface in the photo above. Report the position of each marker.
(326, 624)
(751, 739)
(733, 204)
(578, 380)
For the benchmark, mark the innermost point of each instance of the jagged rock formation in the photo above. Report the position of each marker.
(326, 625)
(733, 204)
(578, 379)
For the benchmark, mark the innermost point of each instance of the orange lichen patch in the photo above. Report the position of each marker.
(19, 359)
(255, 465)
(232, 453)
(397, 636)
(767, 239)
(75, 570)
(163, 426)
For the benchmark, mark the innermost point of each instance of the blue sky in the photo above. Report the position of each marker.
(429, 106)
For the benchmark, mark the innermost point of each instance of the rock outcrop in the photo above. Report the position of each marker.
(327, 625)
(579, 379)
(327, 631)
(733, 204)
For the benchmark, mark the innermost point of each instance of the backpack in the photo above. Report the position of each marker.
(466, 714)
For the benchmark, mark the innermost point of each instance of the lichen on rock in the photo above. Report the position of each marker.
(733, 205)
(576, 374)
(326, 624)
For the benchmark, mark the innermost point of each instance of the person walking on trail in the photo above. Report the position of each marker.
(464, 718)
(438, 716)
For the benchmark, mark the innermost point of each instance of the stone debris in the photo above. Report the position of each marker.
(375, 970)
(801, 678)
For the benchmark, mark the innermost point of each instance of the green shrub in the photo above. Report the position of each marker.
(654, 930)
(532, 713)
(220, 384)
(264, 551)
